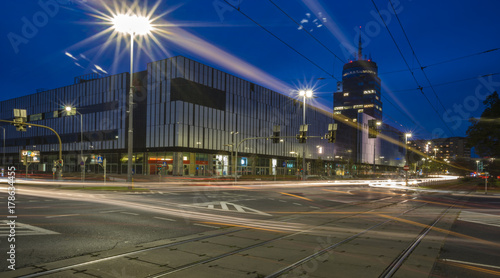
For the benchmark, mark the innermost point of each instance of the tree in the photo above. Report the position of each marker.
(484, 133)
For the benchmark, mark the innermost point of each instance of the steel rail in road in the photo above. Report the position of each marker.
(393, 266)
(190, 265)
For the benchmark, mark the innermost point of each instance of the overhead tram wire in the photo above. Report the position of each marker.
(289, 46)
(409, 68)
(450, 82)
(463, 57)
(309, 33)
(247, 16)
(416, 58)
(445, 61)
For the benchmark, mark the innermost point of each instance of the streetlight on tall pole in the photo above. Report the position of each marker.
(304, 94)
(3, 149)
(72, 111)
(407, 135)
(133, 25)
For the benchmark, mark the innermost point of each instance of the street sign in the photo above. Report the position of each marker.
(81, 163)
(99, 159)
(164, 163)
(406, 168)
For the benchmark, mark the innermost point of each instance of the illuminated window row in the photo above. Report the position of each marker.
(367, 92)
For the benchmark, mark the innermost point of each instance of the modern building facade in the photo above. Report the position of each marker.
(188, 118)
(451, 148)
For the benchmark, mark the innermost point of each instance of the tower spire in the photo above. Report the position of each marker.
(359, 45)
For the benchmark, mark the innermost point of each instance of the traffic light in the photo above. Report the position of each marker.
(58, 163)
(20, 117)
(276, 133)
(302, 136)
(332, 133)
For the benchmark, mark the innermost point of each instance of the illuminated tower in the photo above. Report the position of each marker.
(361, 89)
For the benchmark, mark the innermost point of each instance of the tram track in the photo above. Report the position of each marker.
(372, 207)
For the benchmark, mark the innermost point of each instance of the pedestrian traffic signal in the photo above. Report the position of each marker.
(332, 133)
(20, 117)
(302, 136)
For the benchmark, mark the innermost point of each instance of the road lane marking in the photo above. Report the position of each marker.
(131, 213)
(471, 263)
(110, 211)
(313, 207)
(167, 219)
(62, 215)
(296, 196)
(336, 191)
(297, 204)
(208, 226)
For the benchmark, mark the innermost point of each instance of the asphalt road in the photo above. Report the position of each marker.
(253, 230)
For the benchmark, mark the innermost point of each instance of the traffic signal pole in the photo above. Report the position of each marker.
(59, 175)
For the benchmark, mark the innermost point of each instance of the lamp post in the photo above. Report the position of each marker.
(304, 94)
(297, 160)
(377, 125)
(477, 167)
(133, 25)
(407, 135)
(435, 155)
(3, 158)
(72, 111)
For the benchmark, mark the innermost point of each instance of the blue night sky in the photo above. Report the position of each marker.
(38, 39)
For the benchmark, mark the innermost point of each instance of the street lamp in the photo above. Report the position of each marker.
(377, 124)
(72, 111)
(297, 160)
(477, 167)
(3, 158)
(305, 94)
(435, 155)
(407, 135)
(133, 25)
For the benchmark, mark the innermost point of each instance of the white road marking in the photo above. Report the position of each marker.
(282, 201)
(167, 219)
(313, 207)
(297, 204)
(23, 229)
(63, 215)
(208, 226)
(471, 263)
(480, 218)
(131, 213)
(110, 211)
(226, 206)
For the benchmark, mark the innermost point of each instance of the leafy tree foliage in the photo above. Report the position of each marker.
(484, 133)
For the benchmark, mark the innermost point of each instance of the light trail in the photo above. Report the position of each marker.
(296, 196)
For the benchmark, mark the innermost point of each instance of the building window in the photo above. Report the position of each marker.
(368, 105)
(367, 92)
(358, 106)
(337, 112)
(346, 94)
(360, 110)
(338, 108)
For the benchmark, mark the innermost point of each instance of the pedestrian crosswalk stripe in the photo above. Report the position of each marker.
(23, 229)
(480, 218)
